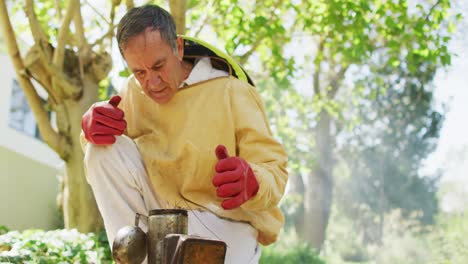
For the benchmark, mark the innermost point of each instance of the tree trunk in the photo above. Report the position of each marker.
(80, 209)
(318, 193)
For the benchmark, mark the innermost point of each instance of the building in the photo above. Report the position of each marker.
(28, 167)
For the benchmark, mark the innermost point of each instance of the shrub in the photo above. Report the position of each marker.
(3, 230)
(289, 250)
(448, 243)
(58, 246)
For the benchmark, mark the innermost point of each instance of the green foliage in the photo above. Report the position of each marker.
(341, 36)
(391, 54)
(69, 246)
(344, 242)
(106, 90)
(448, 242)
(59, 246)
(289, 251)
(125, 73)
(404, 240)
(407, 241)
(260, 29)
(3, 230)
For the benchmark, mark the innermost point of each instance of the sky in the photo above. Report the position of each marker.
(451, 154)
(452, 89)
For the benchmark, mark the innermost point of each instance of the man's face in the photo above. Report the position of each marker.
(156, 66)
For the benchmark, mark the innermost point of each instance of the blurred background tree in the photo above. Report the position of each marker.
(359, 55)
(396, 132)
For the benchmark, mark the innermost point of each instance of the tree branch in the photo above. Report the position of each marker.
(56, 141)
(33, 64)
(336, 82)
(130, 4)
(318, 67)
(110, 32)
(59, 10)
(45, 55)
(80, 34)
(97, 12)
(59, 79)
(432, 9)
(243, 59)
(59, 53)
(178, 8)
(204, 22)
(84, 50)
(37, 32)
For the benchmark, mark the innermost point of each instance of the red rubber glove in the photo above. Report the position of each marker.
(103, 121)
(234, 179)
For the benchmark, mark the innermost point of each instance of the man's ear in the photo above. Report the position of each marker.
(180, 47)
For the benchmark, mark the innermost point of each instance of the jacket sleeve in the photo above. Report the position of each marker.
(255, 144)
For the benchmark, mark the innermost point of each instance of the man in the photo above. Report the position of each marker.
(183, 134)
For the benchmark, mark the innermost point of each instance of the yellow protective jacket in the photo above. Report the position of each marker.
(177, 141)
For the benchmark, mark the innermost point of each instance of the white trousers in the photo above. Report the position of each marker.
(121, 188)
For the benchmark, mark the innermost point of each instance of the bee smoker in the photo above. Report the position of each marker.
(166, 241)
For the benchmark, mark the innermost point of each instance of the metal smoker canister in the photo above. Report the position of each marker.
(162, 222)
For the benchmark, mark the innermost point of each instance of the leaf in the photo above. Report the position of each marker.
(124, 73)
(451, 27)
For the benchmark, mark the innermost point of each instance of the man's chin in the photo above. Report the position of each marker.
(161, 99)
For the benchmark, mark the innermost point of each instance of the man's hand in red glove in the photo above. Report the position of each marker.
(234, 179)
(103, 121)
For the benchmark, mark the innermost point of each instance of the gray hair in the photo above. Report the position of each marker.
(135, 22)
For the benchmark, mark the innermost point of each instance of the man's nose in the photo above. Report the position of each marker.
(154, 80)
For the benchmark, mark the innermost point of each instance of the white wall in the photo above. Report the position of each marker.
(28, 191)
(28, 168)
